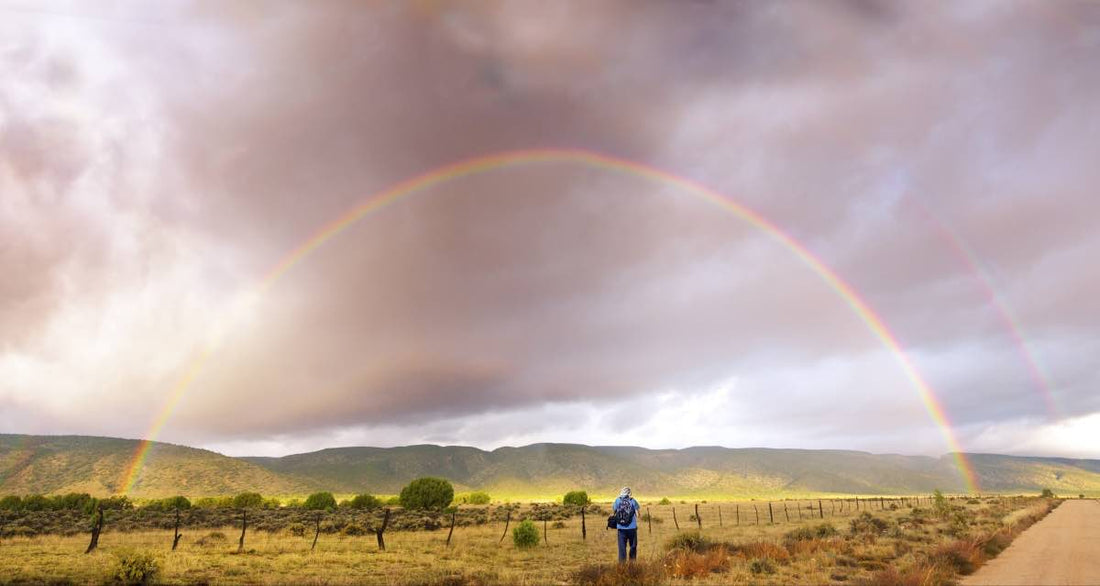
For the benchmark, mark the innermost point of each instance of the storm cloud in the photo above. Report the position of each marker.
(157, 161)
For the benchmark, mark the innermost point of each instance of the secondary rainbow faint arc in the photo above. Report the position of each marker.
(597, 160)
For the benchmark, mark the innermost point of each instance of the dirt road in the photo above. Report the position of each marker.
(1063, 548)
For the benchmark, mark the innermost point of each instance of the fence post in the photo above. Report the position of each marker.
(798, 506)
(507, 520)
(698, 519)
(719, 515)
(381, 530)
(451, 532)
(316, 534)
(176, 538)
(584, 528)
(771, 518)
(785, 513)
(97, 526)
(545, 539)
(674, 519)
(820, 509)
(244, 527)
(757, 511)
(650, 516)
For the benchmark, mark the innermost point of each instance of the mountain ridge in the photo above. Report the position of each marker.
(64, 463)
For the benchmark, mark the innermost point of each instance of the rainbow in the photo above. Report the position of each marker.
(484, 164)
(1012, 325)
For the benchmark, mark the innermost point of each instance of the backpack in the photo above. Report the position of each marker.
(625, 513)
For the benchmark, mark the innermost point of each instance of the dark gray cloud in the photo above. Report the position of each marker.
(158, 161)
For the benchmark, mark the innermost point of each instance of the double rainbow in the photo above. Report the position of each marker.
(510, 159)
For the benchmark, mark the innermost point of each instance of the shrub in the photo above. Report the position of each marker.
(169, 504)
(1047, 493)
(365, 501)
(211, 539)
(427, 493)
(689, 541)
(558, 525)
(962, 556)
(473, 498)
(320, 501)
(296, 529)
(136, 568)
(868, 524)
(576, 497)
(639, 573)
(393, 500)
(354, 529)
(940, 504)
(762, 566)
(248, 500)
(664, 501)
(525, 535)
(11, 502)
(688, 564)
(116, 503)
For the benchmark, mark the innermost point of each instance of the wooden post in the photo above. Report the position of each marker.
(771, 518)
(832, 507)
(820, 509)
(798, 506)
(244, 527)
(737, 514)
(757, 511)
(698, 519)
(507, 520)
(378, 533)
(719, 515)
(650, 519)
(97, 526)
(584, 528)
(176, 538)
(674, 519)
(785, 513)
(544, 535)
(881, 504)
(857, 503)
(451, 532)
(317, 533)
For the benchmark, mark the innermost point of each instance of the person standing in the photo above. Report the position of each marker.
(626, 521)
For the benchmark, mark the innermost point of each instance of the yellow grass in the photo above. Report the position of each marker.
(477, 556)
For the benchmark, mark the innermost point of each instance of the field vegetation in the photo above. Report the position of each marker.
(840, 541)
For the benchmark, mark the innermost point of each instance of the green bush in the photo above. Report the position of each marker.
(11, 502)
(169, 504)
(393, 500)
(320, 501)
(136, 568)
(248, 500)
(689, 541)
(868, 524)
(1047, 493)
(762, 566)
(525, 535)
(365, 501)
(576, 497)
(665, 501)
(474, 498)
(427, 493)
(296, 529)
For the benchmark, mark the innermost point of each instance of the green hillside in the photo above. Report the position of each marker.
(96, 465)
(52, 464)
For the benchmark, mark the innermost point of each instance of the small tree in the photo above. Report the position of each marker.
(248, 500)
(1047, 493)
(576, 497)
(939, 503)
(365, 501)
(525, 535)
(474, 498)
(427, 493)
(320, 501)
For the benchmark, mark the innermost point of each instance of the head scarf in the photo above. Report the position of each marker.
(624, 493)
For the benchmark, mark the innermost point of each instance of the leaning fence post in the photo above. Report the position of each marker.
(317, 533)
(771, 517)
(176, 538)
(451, 532)
(820, 509)
(381, 530)
(507, 521)
(786, 513)
(649, 519)
(674, 519)
(545, 540)
(97, 526)
(698, 519)
(244, 527)
(757, 511)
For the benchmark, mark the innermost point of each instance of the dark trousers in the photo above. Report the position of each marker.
(628, 536)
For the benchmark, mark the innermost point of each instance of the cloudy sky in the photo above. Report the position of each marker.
(158, 159)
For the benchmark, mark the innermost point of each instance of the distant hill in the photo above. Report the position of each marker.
(95, 465)
(57, 464)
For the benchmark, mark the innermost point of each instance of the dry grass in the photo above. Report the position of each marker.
(903, 548)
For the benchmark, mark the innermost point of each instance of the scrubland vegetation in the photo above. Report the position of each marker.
(883, 541)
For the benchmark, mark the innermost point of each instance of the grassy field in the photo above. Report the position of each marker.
(888, 545)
